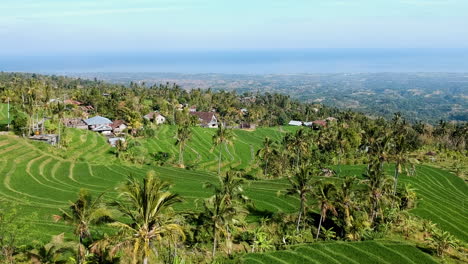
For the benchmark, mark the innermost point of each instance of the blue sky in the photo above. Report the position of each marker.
(59, 26)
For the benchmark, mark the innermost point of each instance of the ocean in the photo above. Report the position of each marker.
(246, 62)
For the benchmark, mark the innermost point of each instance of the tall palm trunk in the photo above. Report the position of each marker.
(319, 226)
(397, 173)
(214, 241)
(181, 155)
(301, 209)
(219, 160)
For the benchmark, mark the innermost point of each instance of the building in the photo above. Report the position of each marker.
(155, 117)
(118, 126)
(99, 124)
(75, 123)
(113, 140)
(51, 139)
(295, 123)
(206, 119)
(247, 126)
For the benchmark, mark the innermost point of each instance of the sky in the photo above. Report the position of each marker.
(94, 26)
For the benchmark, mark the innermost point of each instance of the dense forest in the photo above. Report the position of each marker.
(426, 97)
(345, 178)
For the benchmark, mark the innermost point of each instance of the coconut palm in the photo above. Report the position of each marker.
(219, 215)
(184, 133)
(301, 185)
(266, 152)
(379, 187)
(324, 194)
(222, 138)
(147, 206)
(230, 187)
(82, 214)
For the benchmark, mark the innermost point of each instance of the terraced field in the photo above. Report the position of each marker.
(199, 152)
(340, 252)
(39, 180)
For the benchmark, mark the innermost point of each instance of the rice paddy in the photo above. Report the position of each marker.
(39, 179)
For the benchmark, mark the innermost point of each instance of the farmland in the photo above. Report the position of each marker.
(39, 179)
(239, 155)
(339, 252)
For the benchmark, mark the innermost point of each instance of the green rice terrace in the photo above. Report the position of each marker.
(39, 180)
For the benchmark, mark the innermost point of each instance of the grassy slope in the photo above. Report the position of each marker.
(199, 152)
(40, 181)
(340, 252)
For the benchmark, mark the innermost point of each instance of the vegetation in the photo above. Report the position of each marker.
(180, 193)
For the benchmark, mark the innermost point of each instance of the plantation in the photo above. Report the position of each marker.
(39, 179)
(201, 154)
(338, 252)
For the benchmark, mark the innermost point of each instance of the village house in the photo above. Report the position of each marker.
(155, 117)
(51, 139)
(206, 119)
(99, 124)
(75, 123)
(247, 126)
(118, 126)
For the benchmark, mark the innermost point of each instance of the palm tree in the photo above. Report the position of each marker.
(301, 185)
(222, 138)
(148, 206)
(83, 213)
(345, 199)
(265, 152)
(184, 133)
(379, 187)
(230, 188)
(219, 214)
(324, 194)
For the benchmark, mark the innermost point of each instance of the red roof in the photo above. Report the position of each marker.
(320, 123)
(73, 102)
(117, 123)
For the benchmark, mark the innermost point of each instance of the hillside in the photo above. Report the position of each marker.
(339, 252)
(200, 153)
(39, 179)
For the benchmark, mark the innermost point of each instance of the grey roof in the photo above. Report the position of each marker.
(97, 120)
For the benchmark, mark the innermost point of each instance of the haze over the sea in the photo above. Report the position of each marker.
(247, 62)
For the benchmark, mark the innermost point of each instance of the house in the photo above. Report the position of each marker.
(113, 140)
(206, 119)
(295, 123)
(118, 126)
(51, 139)
(155, 117)
(247, 125)
(322, 123)
(99, 124)
(75, 123)
(193, 108)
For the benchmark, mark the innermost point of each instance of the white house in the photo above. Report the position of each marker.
(206, 119)
(155, 117)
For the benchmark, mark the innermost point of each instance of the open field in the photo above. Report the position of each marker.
(39, 179)
(340, 252)
(199, 152)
